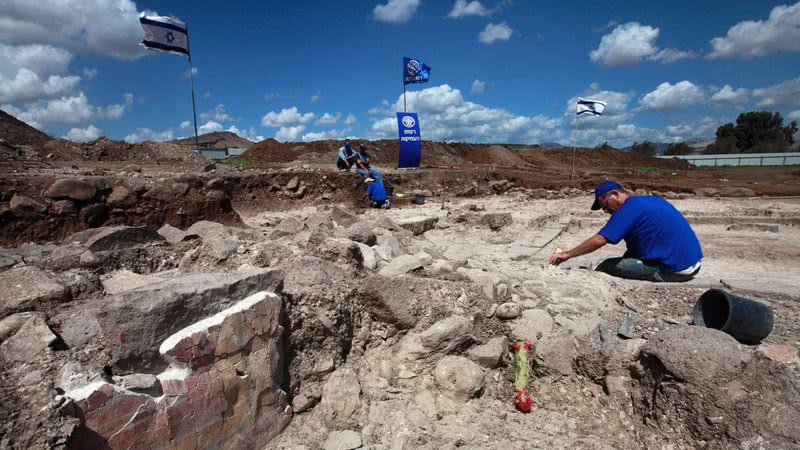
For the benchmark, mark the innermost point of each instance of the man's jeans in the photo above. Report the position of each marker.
(373, 172)
(636, 269)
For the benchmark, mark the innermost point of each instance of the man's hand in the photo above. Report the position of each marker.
(558, 257)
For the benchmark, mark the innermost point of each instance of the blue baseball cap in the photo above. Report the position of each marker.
(347, 144)
(602, 190)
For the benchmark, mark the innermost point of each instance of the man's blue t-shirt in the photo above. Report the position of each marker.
(655, 232)
(376, 192)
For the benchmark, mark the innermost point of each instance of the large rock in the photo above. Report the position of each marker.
(401, 265)
(491, 354)
(391, 245)
(458, 378)
(21, 205)
(25, 287)
(138, 319)
(406, 301)
(359, 232)
(508, 311)
(448, 335)
(213, 230)
(343, 218)
(366, 256)
(496, 221)
(341, 397)
(175, 235)
(32, 338)
(73, 189)
(121, 197)
(342, 440)
(418, 224)
(694, 353)
(113, 238)
(11, 324)
(555, 354)
(221, 390)
(288, 227)
(531, 324)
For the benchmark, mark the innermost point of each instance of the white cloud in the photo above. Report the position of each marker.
(630, 42)
(109, 27)
(495, 32)
(89, 73)
(794, 115)
(286, 117)
(209, 127)
(128, 98)
(218, 114)
(730, 95)
(464, 8)
(112, 112)
(285, 134)
(329, 119)
(478, 87)
(748, 39)
(195, 71)
(34, 72)
(249, 134)
(350, 120)
(671, 96)
(186, 125)
(316, 97)
(445, 115)
(396, 11)
(87, 134)
(670, 55)
(26, 86)
(702, 128)
(74, 110)
(325, 135)
(147, 134)
(782, 95)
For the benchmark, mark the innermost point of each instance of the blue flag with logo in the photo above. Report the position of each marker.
(410, 141)
(415, 71)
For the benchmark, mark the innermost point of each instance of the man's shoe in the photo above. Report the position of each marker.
(369, 180)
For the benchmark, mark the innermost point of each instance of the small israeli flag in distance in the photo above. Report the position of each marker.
(164, 34)
(415, 71)
(593, 107)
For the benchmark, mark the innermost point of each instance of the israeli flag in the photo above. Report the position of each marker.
(593, 107)
(415, 71)
(165, 34)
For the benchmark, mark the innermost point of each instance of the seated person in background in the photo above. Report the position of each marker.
(346, 156)
(377, 194)
(363, 167)
(661, 244)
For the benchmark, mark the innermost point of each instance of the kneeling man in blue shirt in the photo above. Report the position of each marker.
(661, 244)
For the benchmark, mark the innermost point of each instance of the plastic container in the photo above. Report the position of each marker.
(747, 320)
(419, 199)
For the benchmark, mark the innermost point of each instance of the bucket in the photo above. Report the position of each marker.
(419, 199)
(746, 320)
(389, 190)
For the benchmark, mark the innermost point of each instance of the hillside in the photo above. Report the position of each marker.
(17, 132)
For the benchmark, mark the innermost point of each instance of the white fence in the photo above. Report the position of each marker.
(741, 159)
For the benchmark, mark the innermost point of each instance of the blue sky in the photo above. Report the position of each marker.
(502, 71)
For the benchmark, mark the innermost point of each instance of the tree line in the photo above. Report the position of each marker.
(754, 132)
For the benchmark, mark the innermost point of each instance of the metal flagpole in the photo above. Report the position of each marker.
(191, 78)
(404, 97)
(574, 138)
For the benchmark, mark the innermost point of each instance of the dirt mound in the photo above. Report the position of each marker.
(17, 132)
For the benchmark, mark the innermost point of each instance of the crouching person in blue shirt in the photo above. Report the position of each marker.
(377, 194)
(661, 244)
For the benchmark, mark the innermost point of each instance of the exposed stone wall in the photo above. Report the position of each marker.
(221, 390)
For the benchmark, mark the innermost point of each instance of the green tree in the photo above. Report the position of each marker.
(725, 142)
(678, 148)
(605, 146)
(646, 148)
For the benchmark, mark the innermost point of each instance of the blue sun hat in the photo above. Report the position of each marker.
(602, 190)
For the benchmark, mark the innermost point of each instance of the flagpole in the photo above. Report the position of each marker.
(191, 78)
(574, 139)
(404, 97)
